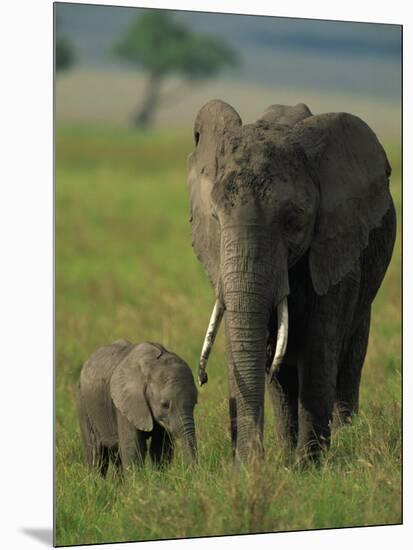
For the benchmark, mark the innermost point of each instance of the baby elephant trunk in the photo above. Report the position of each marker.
(188, 438)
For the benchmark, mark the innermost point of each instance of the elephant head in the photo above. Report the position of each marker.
(155, 385)
(263, 196)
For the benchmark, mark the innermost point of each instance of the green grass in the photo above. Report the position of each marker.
(125, 268)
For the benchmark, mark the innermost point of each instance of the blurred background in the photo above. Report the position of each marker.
(114, 59)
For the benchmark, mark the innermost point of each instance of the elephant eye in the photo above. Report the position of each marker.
(196, 137)
(165, 404)
(293, 220)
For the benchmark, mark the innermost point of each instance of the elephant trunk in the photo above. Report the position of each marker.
(247, 349)
(188, 438)
(247, 278)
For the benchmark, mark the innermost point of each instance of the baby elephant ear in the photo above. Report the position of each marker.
(127, 388)
(352, 172)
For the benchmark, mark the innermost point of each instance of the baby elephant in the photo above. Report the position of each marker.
(129, 393)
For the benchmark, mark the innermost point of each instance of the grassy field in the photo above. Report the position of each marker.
(125, 268)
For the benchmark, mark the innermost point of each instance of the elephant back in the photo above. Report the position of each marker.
(94, 389)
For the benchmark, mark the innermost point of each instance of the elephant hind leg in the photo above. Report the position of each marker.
(96, 453)
(349, 372)
(87, 433)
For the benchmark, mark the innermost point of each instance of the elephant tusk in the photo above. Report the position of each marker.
(282, 338)
(210, 335)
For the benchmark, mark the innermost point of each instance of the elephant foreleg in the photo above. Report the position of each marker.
(317, 377)
(161, 447)
(315, 409)
(283, 393)
(349, 373)
(232, 403)
(101, 459)
(114, 456)
(132, 442)
(283, 390)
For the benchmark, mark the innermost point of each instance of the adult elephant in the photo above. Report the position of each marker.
(294, 223)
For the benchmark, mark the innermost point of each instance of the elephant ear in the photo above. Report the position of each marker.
(127, 388)
(213, 124)
(352, 171)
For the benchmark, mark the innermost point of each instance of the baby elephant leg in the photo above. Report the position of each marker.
(161, 448)
(96, 454)
(132, 442)
(88, 438)
(114, 456)
(101, 459)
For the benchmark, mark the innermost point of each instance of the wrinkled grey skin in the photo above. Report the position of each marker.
(129, 393)
(293, 205)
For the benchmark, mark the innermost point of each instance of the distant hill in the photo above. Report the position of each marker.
(94, 95)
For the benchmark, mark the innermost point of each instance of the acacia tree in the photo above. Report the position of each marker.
(161, 46)
(64, 57)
